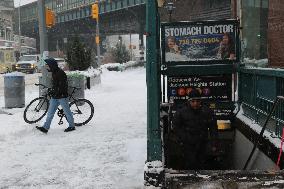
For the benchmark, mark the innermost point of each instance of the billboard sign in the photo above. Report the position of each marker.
(200, 41)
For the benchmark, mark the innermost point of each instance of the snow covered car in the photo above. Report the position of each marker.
(28, 64)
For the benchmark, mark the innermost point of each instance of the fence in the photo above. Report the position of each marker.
(258, 89)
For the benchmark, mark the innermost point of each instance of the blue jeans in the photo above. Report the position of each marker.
(53, 104)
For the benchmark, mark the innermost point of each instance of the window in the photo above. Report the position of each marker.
(254, 23)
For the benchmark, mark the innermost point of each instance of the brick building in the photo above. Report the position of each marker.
(276, 33)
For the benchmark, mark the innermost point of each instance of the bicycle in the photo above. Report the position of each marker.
(38, 108)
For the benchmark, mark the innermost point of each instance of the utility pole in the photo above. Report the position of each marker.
(19, 13)
(95, 15)
(43, 39)
(98, 43)
(153, 78)
(131, 54)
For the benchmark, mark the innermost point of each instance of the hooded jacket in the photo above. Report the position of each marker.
(59, 80)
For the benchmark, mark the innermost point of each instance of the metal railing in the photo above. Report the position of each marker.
(258, 90)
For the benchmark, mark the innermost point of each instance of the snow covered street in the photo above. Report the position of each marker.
(108, 153)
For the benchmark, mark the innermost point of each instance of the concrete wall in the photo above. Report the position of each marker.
(241, 150)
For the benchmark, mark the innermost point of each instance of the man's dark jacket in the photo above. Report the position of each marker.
(189, 137)
(191, 126)
(59, 80)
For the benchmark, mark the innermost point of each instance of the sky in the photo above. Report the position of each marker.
(22, 2)
(107, 153)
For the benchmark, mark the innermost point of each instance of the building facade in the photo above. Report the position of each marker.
(261, 24)
(275, 33)
(6, 22)
(192, 10)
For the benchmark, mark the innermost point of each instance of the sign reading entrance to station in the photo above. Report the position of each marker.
(215, 90)
(211, 88)
(200, 41)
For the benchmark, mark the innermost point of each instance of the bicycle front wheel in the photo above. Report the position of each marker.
(36, 110)
(82, 110)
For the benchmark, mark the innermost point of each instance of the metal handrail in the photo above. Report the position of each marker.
(276, 102)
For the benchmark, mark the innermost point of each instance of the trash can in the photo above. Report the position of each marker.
(76, 80)
(14, 90)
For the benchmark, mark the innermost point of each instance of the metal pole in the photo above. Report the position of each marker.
(19, 12)
(130, 47)
(98, 44)
(97, 40)
(43, 37)
(42, 26)
(154, 146)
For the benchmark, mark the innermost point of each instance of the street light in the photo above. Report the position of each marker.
(170, 8)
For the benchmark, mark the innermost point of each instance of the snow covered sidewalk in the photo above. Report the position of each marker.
(108, 153)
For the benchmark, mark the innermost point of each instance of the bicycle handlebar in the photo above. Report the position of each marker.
(39, 84)
(44, 86)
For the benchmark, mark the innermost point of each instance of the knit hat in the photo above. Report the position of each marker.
(194, 95)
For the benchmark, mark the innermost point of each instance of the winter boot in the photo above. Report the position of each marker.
(69, 129)
(42, 129)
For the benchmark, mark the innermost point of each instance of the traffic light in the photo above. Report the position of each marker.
(95, 11)
(49, 18)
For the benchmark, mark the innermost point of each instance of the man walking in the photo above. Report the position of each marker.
(190, 127)
(59, 96)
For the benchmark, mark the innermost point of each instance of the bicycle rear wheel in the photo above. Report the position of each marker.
(82, 110)
(36, 110)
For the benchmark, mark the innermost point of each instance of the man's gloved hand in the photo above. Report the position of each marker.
(50, 91)
(215, 147)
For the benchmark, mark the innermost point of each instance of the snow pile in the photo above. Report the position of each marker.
(122, 67)
(255, 63)
(268, 183)
(203, 176)
(132, 64)
(91, 72)
(154, 167)
(154, 173)
(113, 67)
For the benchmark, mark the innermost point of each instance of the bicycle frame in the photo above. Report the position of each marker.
(60, 112)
